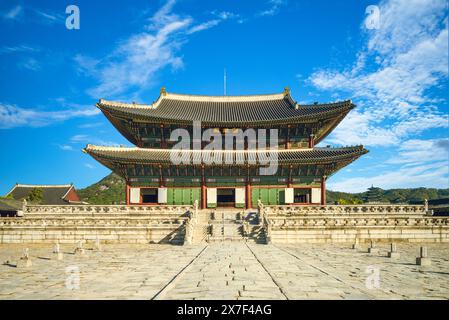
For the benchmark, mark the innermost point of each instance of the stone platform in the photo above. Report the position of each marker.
(227, 270)
(120, 224)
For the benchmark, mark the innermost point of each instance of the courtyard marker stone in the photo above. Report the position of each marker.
(24, 261)
(423, 259)
(372, 248)
(79, 250)
(393, 254)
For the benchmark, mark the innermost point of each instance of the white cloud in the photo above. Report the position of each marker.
(17, 49)
(84, 138)
(420, 152)
(392, 81)
(392, 75)
(416, 163)
(434, 175)
(49, 17)
(203, 26)
(135, 63)
(66, 147)
(224, 15)
(90, 166)
(14, 13)
(274, 7)
(79, 138)
(34, 15)
(30, 64)
(12, 116)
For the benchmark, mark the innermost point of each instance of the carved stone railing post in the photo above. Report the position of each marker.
(260, 211)
(267, 227)
(245, 226)
(191, 223)
(195, 210)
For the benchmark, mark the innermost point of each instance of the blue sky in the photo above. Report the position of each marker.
(396, 74)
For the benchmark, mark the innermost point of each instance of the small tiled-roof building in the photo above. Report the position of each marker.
(10, 207)
(440, 207)
(51, 194)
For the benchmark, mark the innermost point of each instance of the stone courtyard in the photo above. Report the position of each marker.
(223, 270)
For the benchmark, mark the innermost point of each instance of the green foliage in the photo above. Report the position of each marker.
(9, 196)
(395, 196)
(36, 195)
(349, 201)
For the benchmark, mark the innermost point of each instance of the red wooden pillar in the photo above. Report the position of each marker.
(289, 182)
(127, 193)
(163, 144)
(311, 141)
(288, 146)
(161, 177)
(203, 189)
(248, 196)
(323, 190)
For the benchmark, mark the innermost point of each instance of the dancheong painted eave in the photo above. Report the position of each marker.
(224, 111)
(108, 155)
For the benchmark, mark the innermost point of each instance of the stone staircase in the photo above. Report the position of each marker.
(235, 225)
(225, 226)
(201, 231)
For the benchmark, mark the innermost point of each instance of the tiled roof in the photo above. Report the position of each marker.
(272, 108)
(51, 194)
(10, 205)
(163, 156)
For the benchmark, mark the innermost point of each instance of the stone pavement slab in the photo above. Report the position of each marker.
(224, 270)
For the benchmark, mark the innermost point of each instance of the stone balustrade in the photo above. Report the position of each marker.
(349, 223)
(364, 209)
(86, 222)
(356, 221)
(114, 224)
(103, 209)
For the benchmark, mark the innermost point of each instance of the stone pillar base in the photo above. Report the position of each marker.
(24, 263)
(79, 251)
(394, 255)
(373, 250)
(423, 261)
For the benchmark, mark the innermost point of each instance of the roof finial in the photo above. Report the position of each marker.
(286, 91)
(163, 91)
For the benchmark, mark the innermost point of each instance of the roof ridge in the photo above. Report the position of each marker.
(224, 96)
(193, 97)
(43, 185)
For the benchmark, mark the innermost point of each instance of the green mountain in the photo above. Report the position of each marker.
(411, 196)
(111, 190)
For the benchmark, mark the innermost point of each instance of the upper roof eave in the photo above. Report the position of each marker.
(151, 156)
(310, 113)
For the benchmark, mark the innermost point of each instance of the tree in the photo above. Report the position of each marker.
(36, 195)
(349, 201)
